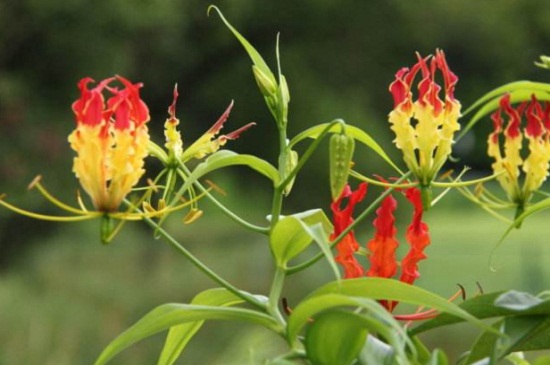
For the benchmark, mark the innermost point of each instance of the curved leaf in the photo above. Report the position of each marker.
(252, 53)
(288, 238)
(491, 305)
(227, 158)
(180, 335)
(292, 234)
(335, 338)
(389, 289)
(169, 315)
(523, 333)
(384, 324)
(352, 131)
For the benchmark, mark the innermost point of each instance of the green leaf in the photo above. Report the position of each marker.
(252, 53)
(287, 239)
(180, 335)
(169, 315)
(352, 131)
(315, 216)
(517, 358)
(438, 358)
(292, 234)
(389, 289)
(335, 338)
(485, 306)
(377, 319)
(227, 158)
(523, 333)
(321, 237)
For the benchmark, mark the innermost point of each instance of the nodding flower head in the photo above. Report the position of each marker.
(424, 127)
(383, 246)
(515, 160)
(110, 140)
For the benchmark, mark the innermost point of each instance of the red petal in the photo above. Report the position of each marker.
(513, 128)
(535, 117)
(215, 129)
(342, 218)
(384, 243)
(127, 105)
(418, 238)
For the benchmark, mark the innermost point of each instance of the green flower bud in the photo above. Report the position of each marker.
(341, 149)
(268, 86)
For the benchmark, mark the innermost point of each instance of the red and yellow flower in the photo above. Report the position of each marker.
(424, 128)
(111, 141)
(515, 160)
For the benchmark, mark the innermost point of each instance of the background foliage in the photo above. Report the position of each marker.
(63, 297)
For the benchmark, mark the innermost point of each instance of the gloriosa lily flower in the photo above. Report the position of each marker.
(510, 165)
(384, 244)
(424, 128)
(111, 141)
(207, 144)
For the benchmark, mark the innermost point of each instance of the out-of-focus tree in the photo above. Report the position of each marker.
(339, 58)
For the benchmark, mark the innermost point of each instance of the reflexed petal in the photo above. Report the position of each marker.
(207, 143)
(384, 243)
(342, 218)
(418, 237)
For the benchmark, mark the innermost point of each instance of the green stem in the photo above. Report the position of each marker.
(197, 263)
(359, 219)
(223, 208)
(309, 152)
(275, 294)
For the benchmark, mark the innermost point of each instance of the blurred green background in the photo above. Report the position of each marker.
(63, 296)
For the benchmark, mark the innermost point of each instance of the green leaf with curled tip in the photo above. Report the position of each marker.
(252, 53)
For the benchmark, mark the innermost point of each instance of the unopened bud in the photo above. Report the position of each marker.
(267, 84)
(289, 165)
(341, 148)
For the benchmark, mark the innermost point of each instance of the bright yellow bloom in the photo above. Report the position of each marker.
(424, 127)
(110, 140)
(509, 163)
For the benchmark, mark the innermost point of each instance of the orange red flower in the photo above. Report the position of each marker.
(383, 245)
